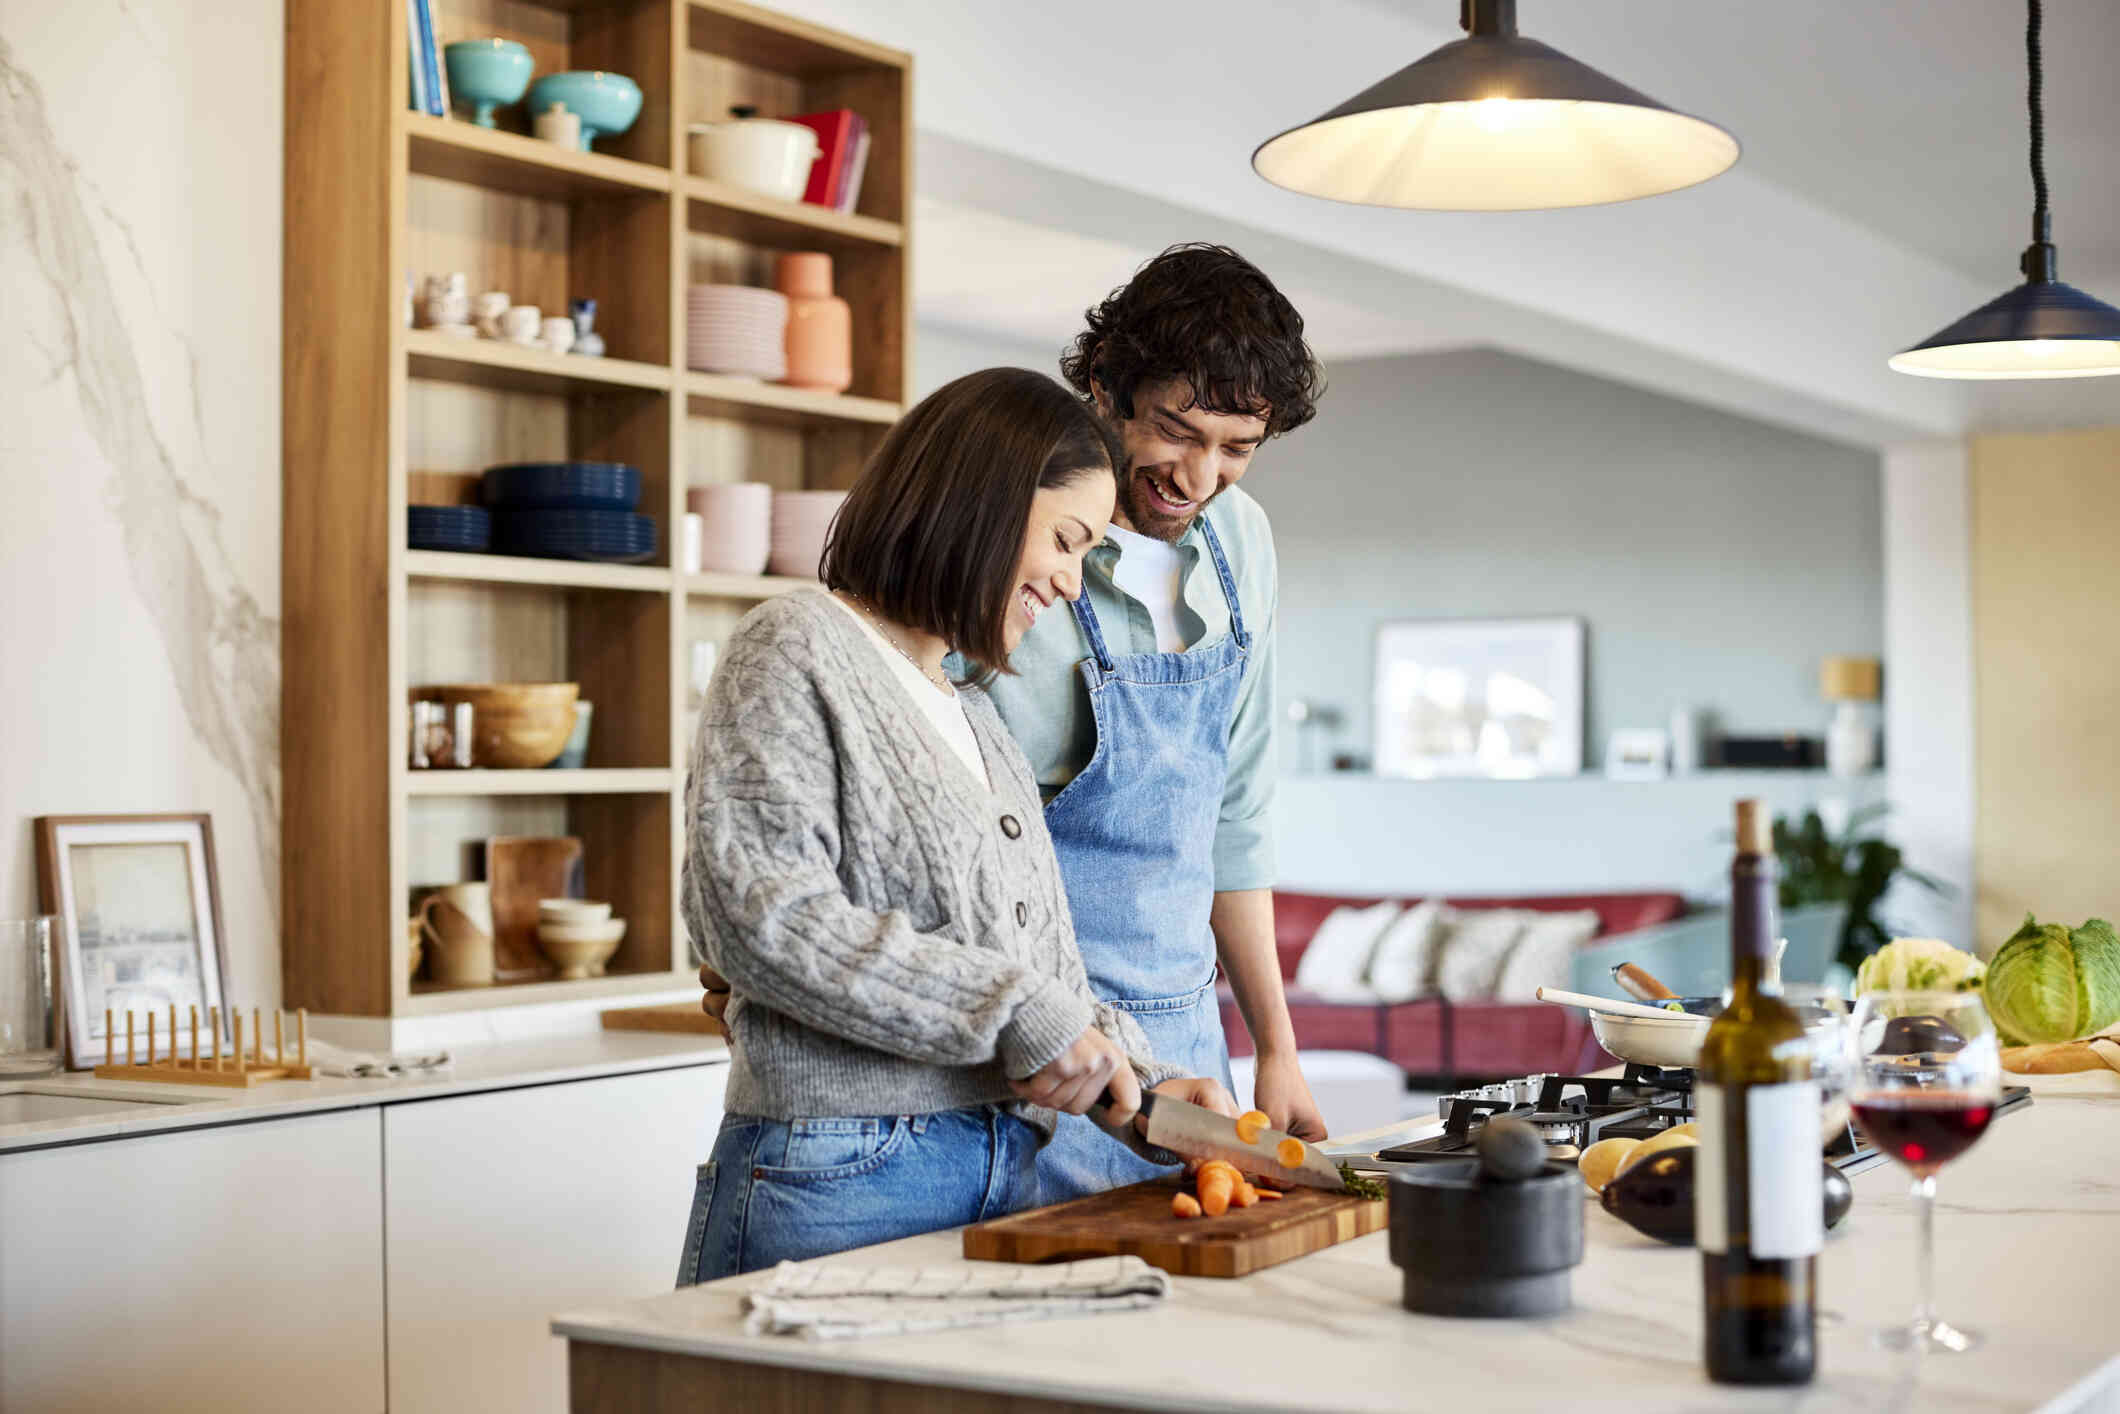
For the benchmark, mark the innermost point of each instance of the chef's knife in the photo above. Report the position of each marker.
(1197, 1133)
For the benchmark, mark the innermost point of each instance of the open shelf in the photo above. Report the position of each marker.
(745, 586)
(435, 999)
(460, 151)
(516, 569)
(717, 396)
(641, 781)
(766, 220)
(495, 363)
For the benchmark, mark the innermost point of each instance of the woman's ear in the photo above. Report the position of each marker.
(1101, 396)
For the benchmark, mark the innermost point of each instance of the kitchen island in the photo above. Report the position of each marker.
(2027, 1248)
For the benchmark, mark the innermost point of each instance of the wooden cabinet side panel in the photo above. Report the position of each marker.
(344, 190)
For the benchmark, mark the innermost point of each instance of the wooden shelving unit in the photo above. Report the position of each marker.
(377, 195)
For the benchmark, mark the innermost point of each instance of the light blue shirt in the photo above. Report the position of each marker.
(1047, 707)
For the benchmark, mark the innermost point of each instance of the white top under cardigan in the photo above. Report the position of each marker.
(944, 709)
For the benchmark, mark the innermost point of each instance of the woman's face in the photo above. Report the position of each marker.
(1065, 522)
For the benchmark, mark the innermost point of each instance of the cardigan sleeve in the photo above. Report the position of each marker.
(764, 898)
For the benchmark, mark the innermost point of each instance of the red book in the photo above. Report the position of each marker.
(835, 134)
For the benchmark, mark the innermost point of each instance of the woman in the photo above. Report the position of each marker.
(866, 861)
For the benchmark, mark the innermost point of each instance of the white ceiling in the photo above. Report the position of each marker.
(1907, 116)
(1881, 195)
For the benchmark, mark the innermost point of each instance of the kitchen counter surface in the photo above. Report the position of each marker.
(2028, 1245)
(499, 1066)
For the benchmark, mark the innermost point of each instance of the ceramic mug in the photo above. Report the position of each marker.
(556, 124)
(457, 922)
(486, 312)
(522, 322)
(558, 334)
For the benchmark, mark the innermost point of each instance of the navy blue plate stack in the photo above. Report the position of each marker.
(568, 511)
(448, 528)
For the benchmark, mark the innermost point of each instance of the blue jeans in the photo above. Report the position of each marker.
(784, 1190)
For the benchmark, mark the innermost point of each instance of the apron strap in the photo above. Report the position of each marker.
(1086, 618)
(1229, 584)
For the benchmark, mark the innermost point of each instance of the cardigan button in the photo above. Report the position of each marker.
(1023, 916)
(1011, 826)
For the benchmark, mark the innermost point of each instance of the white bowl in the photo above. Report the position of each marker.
(572, 910)
(759, 154)
(580, 949)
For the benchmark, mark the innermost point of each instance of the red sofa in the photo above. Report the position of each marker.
(1433, 1038)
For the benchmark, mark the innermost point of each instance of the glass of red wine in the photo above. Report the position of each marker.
(1926, 1077)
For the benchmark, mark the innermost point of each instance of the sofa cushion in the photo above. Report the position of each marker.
(1402, 966)
(1543, 954)
(1336, 964)
(1470, 954)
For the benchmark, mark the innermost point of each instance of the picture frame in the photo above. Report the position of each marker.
(138, 899)
(1638, 754)
(1494, 698)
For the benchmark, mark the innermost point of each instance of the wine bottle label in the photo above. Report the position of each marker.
(1759, 1186)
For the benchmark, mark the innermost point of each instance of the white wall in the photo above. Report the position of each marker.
(942, 352)
(139, 556)
(1929, 680)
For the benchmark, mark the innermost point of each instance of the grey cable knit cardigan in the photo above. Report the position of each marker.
(896, 938)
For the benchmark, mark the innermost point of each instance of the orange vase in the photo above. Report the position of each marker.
(820, 327)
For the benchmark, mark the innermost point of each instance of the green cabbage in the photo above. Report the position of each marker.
(1918, 965)
(2052, 983)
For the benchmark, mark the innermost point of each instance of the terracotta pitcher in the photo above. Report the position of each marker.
(820, 327)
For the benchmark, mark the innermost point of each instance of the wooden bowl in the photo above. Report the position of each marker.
(514, 725)
(580, 949)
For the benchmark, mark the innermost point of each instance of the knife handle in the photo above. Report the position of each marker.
(1101, 1110)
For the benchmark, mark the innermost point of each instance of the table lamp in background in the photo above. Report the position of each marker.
(1851, 738)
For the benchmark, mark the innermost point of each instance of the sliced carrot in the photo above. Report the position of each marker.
(1273, 1193)
(1244, 1197)
(1218, 1184)
(1290, 1152)
(1250, 1123)
(1184, 1205)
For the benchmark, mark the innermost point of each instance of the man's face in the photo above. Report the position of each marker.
(1178, 458)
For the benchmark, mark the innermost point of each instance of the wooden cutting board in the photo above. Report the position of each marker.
(1137, 1220)
(683, 1018)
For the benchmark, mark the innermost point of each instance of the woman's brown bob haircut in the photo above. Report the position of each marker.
(931, 534)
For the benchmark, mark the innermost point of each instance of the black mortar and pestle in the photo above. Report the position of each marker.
(1495, 1236)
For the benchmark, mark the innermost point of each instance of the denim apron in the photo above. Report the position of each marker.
(1135, 833)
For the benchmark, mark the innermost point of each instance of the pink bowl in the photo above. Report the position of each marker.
(802, 521)
(736, 526)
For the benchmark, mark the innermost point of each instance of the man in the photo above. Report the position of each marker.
(1147, 708)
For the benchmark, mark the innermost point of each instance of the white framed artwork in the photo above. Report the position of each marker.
(1500, 698)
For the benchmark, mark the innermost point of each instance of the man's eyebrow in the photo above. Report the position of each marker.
(1180, 419)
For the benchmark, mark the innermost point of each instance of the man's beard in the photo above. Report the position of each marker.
(1148, 515)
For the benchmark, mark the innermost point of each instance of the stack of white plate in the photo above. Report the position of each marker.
(736, 330)
(802, 521)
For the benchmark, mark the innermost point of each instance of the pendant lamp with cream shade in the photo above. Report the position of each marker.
(2043, 328)
(1495, 122)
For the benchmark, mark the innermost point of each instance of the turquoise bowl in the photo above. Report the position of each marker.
(486, 73)
(607, 104)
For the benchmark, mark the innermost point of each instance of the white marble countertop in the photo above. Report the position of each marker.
(500, 1066)
(2028, 1250)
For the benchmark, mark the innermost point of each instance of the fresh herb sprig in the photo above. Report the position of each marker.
(1362, 1185)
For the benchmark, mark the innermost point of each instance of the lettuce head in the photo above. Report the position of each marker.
(2054, 983)
(1918, 964)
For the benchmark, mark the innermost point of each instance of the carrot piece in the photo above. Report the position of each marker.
(1218, 1183)
(1184, 1205)
(1290, 1152)
(1249, 1124)
(1274, 1193)
(1244, 1197)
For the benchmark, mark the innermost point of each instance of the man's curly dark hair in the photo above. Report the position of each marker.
(1204, 314)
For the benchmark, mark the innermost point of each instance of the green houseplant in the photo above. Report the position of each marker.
(1853, 868)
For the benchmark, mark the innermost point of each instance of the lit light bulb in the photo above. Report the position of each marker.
(2042, 348)
(1492, 114)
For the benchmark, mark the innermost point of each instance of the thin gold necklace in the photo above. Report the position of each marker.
(938, 678)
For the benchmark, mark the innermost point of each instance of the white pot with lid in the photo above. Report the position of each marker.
(764, 155)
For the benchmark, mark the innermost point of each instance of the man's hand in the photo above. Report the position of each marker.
(1280, 1090)
(716, 1002)
(1074, 1080)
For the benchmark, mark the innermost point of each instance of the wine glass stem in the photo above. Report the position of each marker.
(1924, 1191)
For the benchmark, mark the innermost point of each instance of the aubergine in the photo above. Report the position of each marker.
(1655, 1196)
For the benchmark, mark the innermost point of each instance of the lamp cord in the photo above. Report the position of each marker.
(2042, 221)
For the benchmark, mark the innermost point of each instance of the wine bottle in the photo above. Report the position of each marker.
(1758, 1200)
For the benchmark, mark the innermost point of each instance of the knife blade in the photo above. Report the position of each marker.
(1199, 1133)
